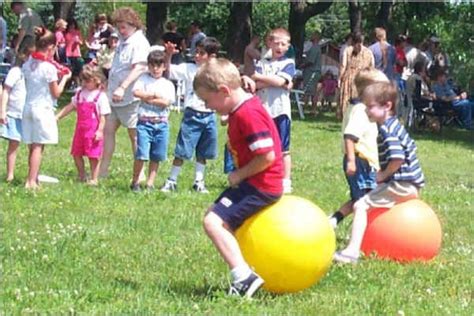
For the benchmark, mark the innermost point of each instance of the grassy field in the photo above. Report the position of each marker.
(70, 248)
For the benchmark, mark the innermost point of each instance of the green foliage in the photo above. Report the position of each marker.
(269, 15)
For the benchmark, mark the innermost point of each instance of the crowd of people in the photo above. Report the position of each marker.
(380, 161)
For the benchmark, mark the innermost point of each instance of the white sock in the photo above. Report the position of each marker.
(175, 170)
(240, 272)
(200, 168)
(333, 222)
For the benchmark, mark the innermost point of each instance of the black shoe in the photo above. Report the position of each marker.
(247, 287)
(135, 187)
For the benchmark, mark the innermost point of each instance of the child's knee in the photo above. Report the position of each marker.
(209, 220)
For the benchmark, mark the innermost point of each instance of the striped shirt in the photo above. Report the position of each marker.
(395, 143)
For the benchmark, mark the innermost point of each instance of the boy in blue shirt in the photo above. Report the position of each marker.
(400, 177)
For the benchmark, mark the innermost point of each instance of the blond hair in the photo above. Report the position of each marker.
(368, 76)
(382, 93)
(217, 72)
(60, 23)
(380, 34)
(280, 32)
(90, 72)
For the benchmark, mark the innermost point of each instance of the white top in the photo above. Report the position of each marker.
(275, 99)
(3, 33)
(411, 54)
(38, 75)
(102, 105)
(162, 87)
(133, 50)
(16, 100)
(186, 72)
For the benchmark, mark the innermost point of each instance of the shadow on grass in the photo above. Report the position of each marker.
(448, 134)
(182, 288)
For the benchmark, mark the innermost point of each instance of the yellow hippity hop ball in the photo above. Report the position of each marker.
(290, 244)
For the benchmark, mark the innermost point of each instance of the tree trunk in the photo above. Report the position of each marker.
(384, 13)
(355, 16)
(63, 9)
(156, 15)
(239, 29)
(300, 12)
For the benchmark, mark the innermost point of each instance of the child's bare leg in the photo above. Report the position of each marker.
(11, 158)
(153, 168)
(95, 165)
(34, 163)
(223, 239)
(359, 226)
(81, 172)
(137, 169)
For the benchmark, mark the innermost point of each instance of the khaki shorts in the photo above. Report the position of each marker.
(386, 195)
(127, 115)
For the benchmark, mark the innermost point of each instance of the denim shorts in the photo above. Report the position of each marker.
(235, 205)
(363, 180)
(12, 130)
(283, 124)
(152, 141)
(198, 132)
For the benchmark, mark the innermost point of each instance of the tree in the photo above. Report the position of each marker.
(355, 16)
(383, 15)
(300, 12)
(156, 15)
(63, 9)
(239, 29)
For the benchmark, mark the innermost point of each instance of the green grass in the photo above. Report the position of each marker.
(70, 248)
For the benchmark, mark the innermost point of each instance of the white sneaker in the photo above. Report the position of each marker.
(169, 186)
(200, 187)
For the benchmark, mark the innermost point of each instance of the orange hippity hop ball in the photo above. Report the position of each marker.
(406, 232)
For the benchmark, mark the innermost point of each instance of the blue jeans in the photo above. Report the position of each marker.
(229, 165)
(465, 112)
(152, 141)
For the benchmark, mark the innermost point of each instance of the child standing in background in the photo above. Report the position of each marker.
(39, 126)
(156, 94)
(11, 111)
(91, 105)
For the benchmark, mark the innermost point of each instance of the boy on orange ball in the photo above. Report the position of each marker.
(258, 180)
(400, 177)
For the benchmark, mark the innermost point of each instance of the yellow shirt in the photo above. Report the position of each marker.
(356, 123)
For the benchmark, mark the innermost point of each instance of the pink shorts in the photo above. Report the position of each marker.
(84, 144)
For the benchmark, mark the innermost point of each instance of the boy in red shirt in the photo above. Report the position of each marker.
(257, 181)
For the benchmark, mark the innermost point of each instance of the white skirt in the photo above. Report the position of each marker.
(39, 125)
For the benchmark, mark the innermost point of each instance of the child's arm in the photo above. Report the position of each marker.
(99, 134)
(257, 164)
(151, 98)
(265, 81)
(170, 50)
(350, 155)
(3, 109)
(392, 167)
(65, 111)
(57, 89)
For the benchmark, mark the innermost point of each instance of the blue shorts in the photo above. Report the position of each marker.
(12, 130)
(363, 180)
(198, 132)
(152, 141)
(235, 205)
(283, 124)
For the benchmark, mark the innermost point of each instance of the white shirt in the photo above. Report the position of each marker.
(38, 75)
(186, 72)
(16, 99)
(102, 105)
(133, 50)
(162, 87)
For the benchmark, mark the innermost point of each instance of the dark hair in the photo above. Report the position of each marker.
(210, 45)
(196, 24)
(156, 58)
(419, 66)
(44, 38)
(72, 22)
(15, 3)
(400, 39)
(357, 38)
(171, 25)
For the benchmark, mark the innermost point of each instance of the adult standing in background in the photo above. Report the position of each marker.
(28, 21)
(130, 61)
(355, 58)
(196, 36)
(3, 37)
(384, 53)
(251, 55)
(173, 36)
(312, 71)
(347, 43)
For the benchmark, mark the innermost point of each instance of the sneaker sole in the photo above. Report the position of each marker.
(254, 287)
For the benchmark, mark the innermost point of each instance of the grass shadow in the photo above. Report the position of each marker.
(448, 134)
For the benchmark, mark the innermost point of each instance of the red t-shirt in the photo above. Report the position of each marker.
(400, 56)
(252, 132)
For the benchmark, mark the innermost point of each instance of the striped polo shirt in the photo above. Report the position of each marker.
(395, 143)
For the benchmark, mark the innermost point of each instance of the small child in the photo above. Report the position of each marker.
(198, 130)
(359, 146)
(38, 124)
(106, 53)
(400, 177)
(257, 181)
(11, 111)
(156, 94)
(92, 106)
(329, 87)
(274, 80)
